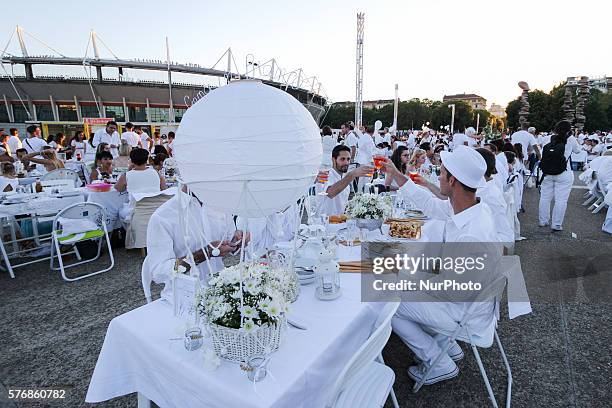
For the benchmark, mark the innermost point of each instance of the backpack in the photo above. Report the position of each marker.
(553, 159)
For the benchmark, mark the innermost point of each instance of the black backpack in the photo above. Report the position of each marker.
(553, 159)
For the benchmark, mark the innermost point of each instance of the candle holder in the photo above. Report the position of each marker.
(193, 338)
(256, 367)
(327, 276)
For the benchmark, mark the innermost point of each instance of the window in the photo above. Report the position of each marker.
(137, 113)
(158, 114)
(67, 112)
(20, 114)
(178, 114)
(89, 111)
(44, 112)
(4, 117)
(115, 112)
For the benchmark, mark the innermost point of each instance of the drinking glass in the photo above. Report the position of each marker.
(378, 161)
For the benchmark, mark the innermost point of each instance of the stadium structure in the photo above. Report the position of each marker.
(111, 87)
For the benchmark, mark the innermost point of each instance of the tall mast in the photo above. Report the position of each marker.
(359, 71)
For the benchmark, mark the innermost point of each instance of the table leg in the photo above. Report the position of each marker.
(143, 402)
(6, 260)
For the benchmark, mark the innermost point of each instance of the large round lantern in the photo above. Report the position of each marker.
(248, 149)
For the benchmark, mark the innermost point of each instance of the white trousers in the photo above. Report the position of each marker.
(607, 225)
(519, 192)
(417, 322)
(557, 187)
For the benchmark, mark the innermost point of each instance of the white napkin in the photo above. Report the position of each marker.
(75, 225)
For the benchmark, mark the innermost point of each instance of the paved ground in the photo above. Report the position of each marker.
(51, 332)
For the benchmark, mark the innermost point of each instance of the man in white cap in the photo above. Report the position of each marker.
(459, 139)
(466, 220)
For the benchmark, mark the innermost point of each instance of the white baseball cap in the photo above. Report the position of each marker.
(466, 164)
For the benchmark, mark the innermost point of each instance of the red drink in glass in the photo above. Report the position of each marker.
(378, 161)
(413, 175)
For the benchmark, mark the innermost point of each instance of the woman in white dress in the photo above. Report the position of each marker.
(79, 145)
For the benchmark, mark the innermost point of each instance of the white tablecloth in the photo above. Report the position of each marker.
(137, 356)
(112, 201)
(41, 205)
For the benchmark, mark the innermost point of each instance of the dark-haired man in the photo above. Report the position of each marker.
(466, 220)
(340, 179)
(108, 135)
(14, 142)
(33, 143)
(130, 136)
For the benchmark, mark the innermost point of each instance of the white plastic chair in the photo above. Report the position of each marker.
(146, 278)
(90, 211)
(366, 381)
(464, 333)
(61, 174)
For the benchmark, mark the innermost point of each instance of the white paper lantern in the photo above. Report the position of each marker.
(248, 149)
(377, 126)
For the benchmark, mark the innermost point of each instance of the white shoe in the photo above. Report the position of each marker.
(444, 370)
(454, 352)
(543, 224)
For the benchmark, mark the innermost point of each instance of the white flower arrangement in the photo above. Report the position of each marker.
(263, 301)
(369, 206)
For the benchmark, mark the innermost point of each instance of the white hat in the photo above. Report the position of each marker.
(531, 129)
(466, 164)
(470, 131)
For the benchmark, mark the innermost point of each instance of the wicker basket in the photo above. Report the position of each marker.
(236, 346)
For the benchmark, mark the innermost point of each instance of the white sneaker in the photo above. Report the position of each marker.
(454, 352)
(444, 370)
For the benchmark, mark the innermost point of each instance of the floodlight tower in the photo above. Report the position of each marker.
(359, 71)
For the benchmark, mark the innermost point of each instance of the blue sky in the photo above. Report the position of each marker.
(430, 48)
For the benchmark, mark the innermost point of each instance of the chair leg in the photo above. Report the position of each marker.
(599, 208)
(394, 398)
(595, 204)
(508, 370)
(143, 402)
(590, 199)
(6, 261)
(484, 376)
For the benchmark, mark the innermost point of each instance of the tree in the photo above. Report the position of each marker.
(512, 113)
(464, 115)
(595, 112)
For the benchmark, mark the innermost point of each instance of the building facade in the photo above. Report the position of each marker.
(475, 101)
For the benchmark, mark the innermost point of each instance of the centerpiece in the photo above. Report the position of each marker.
(245, 321)
(369, 210)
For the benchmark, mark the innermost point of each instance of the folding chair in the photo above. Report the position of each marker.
(92, 212)
(61, 174)
(600, 204)
(464, 333)
(365, 380)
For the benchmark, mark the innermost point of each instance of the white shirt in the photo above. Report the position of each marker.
(493, 196)
(79, 147)
(526, 139)
(501, 165)
(543, 140)
(102, 137)
(571, 146)
(144, 139)
(474, 224)
(387, 138)
(131, 138)
(411, 142)
(336, 205)
(378, 139)
(365, 149)
(203, 226)
(14, 143)
(142, 181)
(34, 144)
